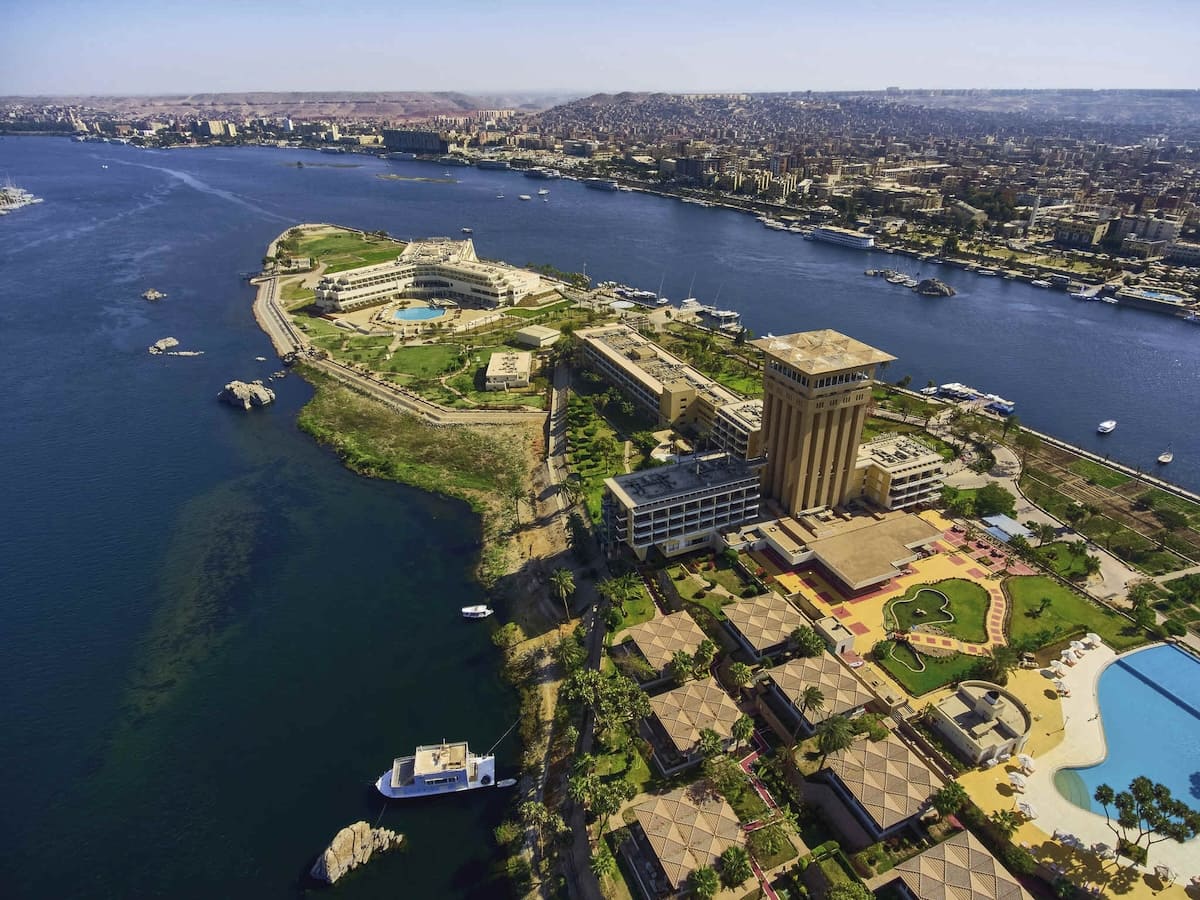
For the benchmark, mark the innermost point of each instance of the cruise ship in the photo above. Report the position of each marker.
(400, 154)
(600, 184)
(439, 769)
(541, 173)
(845, 237)
(720, 319)
(493, 164)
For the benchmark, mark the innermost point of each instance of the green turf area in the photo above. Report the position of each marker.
(638, 609)
(523, 312)
(1135, 549)
(1059, 557)
(1098, 474)
(905, 665)
(425, 362)
(1068, 613)
(770, 846)
(344, 250)
(956, 606)
(294, 291)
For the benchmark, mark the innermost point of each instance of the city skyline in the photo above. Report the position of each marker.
(133, 47)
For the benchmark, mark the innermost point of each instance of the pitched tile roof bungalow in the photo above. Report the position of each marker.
(960, 868)
(659, 639)
(844, 694)
(677, 717)
(687, 829)
(762, 624)
(884, 783)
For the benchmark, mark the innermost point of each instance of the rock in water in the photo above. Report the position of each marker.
(238, 393)
(932, 287)
(351, 848)
(163, 345)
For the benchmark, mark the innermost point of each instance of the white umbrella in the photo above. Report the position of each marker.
(1061, 686)
(1026, 762)
(1165, 873)
(1056, 667)
(1092, 638)
(1104, 851)
(1070, 840)
(1077, 646)
(1028, 810)
(1017, 780)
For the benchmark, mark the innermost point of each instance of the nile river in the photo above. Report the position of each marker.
(212, 637)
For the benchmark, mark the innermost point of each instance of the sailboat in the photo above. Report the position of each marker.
(1166, 456)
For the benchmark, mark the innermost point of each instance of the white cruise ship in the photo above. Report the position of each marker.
(846, 237)
(439, 769)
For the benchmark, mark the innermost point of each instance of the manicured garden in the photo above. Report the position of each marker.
(955, 606)
(1064, 558)
(342, 250)
(1045, 611)
(919, 674)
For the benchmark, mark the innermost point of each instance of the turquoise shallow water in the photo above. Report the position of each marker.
(1150, 708)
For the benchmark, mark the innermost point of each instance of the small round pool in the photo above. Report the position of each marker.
(417, 314)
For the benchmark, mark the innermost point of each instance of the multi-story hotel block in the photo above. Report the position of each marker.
(817, 388)
(895, 471)
(508, 369)
(670, 390)
(681, 507)
(439, 268)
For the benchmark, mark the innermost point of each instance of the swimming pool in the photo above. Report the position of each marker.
(1150, 709)
(417, 314)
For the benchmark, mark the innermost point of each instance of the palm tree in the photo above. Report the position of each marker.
(811, 700)
(562, 581)
(740, 674)
(833, 736)
(743, 729)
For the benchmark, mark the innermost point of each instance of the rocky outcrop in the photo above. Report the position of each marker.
(932, 287)
(351, 848)
(238, 393)
(162, 346)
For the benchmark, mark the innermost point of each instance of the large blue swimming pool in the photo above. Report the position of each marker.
(417, 314)
(1150, 708)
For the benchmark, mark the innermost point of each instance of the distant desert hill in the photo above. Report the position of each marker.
(393, 105)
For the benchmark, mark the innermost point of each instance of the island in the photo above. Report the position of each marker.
(876, 647)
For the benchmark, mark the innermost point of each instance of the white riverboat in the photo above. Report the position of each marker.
(477, 612)
(1107, 426)
(439, 769)
(1166, 457)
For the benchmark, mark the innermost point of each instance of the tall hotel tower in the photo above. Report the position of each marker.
(817, 388)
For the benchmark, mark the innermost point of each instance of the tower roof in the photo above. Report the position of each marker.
(817, 352)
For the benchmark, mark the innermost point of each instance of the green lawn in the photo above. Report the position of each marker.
(1098, 474)
(637, 610)
(1140, 552)
(344, 250)
(900, 661)
(956, 606)
(771, 846)
(1068, 614)
(294, 291)
(424, 362)
(1061, 560)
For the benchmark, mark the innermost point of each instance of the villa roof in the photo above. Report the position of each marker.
(661, 637)
(889, 781)
(842, 690)
(688, 828)
(765, 620)
(960, 868)
(696, 705)
(818, 352)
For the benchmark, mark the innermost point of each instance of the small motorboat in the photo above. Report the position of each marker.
(1107, 426)
(477, 612)
(1166, 456)
(467, 231)
(524, 197)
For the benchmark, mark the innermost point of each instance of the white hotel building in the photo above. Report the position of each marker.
(438, 268)
(681, 507)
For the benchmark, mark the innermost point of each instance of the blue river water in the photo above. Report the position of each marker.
(1150, 708)
(212, 637)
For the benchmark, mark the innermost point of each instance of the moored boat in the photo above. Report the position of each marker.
(1107, 426)
(477, 612)
(1166, 457)
(439, 769)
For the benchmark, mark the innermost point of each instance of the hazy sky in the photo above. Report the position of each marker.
(173, 46)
